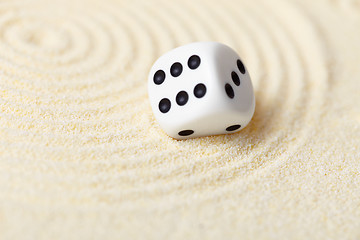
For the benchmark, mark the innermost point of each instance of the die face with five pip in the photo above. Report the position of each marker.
(201, 89)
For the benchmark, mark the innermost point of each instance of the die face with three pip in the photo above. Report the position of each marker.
(201, 89)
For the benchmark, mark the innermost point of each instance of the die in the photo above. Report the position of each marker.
(201, 89)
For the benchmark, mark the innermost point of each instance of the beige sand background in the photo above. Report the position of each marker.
(81, 156)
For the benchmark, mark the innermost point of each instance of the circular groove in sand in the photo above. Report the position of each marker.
(104, 93)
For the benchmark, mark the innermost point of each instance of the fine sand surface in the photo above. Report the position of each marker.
(82, 157)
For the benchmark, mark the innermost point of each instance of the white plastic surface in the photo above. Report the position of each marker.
(215, 111)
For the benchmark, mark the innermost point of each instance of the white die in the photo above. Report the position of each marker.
(201, 89)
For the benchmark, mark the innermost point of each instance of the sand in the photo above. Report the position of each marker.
(82, 157)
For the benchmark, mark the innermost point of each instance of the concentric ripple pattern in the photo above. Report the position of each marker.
(73, 92)
(76, 127)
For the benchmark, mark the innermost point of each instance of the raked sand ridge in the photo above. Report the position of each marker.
(82, 157)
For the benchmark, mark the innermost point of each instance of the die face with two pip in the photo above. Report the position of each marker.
(201, 89)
